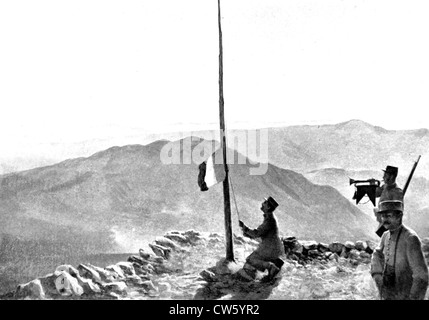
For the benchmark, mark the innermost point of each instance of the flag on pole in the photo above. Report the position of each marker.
(210, 173)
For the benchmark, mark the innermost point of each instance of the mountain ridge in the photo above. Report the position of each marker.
(291, 143)
(127, 183)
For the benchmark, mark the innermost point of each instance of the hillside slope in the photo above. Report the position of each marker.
(130, 191)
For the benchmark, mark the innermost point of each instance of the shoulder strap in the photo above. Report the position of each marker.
(396, 245)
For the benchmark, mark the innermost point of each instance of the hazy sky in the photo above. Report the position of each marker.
(76, 70)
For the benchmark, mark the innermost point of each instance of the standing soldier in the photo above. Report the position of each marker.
(398, 266)
(388, 191)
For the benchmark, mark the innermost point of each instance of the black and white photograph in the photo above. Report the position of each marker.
(214, 150)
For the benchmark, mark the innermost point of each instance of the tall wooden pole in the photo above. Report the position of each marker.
(227, 204)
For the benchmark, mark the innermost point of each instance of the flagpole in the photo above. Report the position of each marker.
(227, 203)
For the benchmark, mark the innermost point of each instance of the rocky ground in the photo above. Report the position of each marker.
(190, 265)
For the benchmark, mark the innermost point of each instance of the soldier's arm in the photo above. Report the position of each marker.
(377, 264)
(377, 259)
(419, 268)
(258, 232)
(246, 230)
(378, 191)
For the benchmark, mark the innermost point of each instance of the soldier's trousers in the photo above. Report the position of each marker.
(255, 261)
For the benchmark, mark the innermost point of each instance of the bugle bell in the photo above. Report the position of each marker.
(365, 187)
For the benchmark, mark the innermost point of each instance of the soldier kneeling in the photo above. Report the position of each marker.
(267, 255)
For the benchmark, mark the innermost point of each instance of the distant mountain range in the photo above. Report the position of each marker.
(128, 193)
(330, 154)
(352, 145)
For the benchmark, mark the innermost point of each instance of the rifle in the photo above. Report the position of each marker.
(411, 175)
(381, 229)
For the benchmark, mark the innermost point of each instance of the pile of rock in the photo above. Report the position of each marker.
(87, 282)
(112, 282)
(304, 251)
(140, 273)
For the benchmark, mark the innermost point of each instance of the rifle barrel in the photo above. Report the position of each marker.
(411, 175)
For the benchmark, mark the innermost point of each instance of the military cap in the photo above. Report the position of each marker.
(273, 203)
(391, 170)
(390, 205)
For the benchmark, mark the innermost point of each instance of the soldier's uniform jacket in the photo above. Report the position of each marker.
(271, 246)
(389, 192)
(411, 271)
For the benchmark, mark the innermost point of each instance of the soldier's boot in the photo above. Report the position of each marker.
(247, 273)
(273, 270)
(244, 276)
